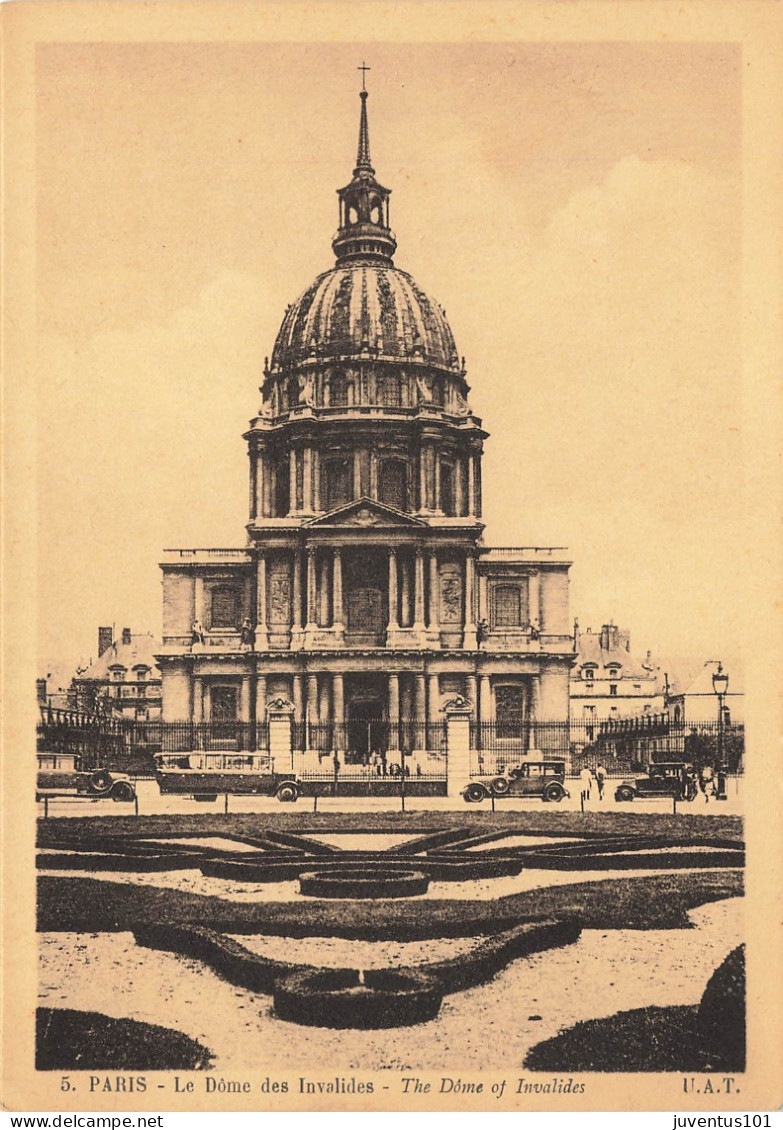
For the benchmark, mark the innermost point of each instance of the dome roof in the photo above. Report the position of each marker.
(360, 307)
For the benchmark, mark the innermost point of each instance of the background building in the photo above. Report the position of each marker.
(365, 594)
(609, 681)
(124, 681)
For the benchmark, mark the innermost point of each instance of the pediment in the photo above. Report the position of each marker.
(366, 513)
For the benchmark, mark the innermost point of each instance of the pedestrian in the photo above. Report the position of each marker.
(705, 781)
(600, 779)
(586, 782)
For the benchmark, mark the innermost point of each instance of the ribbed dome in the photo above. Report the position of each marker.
(362, 307)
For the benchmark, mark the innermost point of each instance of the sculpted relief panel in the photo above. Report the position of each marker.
(450, 594)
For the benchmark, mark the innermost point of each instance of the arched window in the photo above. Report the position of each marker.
(506, 607)
(338, 475)
(393, 483)
(389, 390)
(338, 390)
(292, 393)
(225, 607)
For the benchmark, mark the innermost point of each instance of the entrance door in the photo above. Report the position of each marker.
(224, 728)
(366, 730)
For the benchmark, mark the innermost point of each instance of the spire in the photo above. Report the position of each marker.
(363, 163)
(364, 231)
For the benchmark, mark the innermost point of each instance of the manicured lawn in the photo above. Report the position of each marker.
(546, 820)
(644, 1039)
(645, 903)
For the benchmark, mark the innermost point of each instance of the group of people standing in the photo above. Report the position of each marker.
(589, 777)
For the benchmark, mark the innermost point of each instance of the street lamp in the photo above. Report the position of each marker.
(720, 685)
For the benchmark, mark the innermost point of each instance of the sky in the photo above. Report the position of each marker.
(575, 208)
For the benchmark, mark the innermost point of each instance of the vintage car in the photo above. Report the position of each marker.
(544, 779)
(203, 775)
(664, 779)
(61, 774)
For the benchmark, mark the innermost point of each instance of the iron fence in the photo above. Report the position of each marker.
(622, 745)
(379, 749)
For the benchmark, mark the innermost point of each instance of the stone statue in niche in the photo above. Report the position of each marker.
(307, 389)
(461, 404)
(424, 383)
(450, 598)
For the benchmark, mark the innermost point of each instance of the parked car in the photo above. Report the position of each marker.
(61, 774)
(664, 779)
(203, 775)
(545, 779)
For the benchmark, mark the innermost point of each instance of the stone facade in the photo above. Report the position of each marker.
(365, 591)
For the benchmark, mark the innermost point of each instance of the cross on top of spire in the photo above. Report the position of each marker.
(363, 155)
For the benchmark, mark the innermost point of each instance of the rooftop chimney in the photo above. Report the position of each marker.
(40, 690)
(105, 640)
(126, 635)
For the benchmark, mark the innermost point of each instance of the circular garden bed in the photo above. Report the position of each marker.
(377, 883)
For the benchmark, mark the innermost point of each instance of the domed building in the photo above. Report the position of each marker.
(365, 596)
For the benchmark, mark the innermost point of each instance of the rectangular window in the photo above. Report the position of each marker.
(225, 612)
(613, 688)
(509, 711)
(506, 606)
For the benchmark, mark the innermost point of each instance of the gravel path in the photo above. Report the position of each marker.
(232, 890)
(490, 1027)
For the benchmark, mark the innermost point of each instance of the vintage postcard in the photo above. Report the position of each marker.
(392, 557)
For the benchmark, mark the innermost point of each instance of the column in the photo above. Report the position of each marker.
(292, 483)
(262, 638)
(470, 601)
(253, 502)
(260, 496)
(406, 617)
(311, 590)
(420, 710)
(485, 699)
(312, 711)
(297, 593)
(471, 694)
(269, 489)
(198, 698)
(307, 480)
(434, 615)
(436, 502)
(357, 474)
(337, 591)
(394, 711)
(418, 589)
(535, 694)
(471, 486)
(244, 703)
(434, 698)
(260, 710)
(316, 480)
(459, 487)
(393, 623)
(338, 700)
(373, 473)
(296, 695)
(483, 599)
(323, 593)
(422, 478)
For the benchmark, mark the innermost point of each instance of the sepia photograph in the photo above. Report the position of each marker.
(406, 559)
